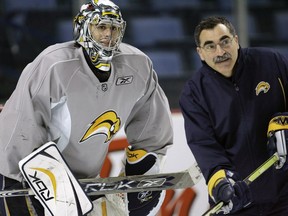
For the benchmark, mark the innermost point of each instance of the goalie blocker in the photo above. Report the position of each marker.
(53, 183)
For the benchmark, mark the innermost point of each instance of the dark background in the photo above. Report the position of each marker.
(161, 28)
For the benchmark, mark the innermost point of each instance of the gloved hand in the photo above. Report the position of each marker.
(140, 162)
(224, 186)
(278, 138)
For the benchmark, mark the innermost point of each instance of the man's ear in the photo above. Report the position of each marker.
(236, 40)
(199, 51)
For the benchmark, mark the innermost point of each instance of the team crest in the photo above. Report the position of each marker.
(107, 124)
(262, 87)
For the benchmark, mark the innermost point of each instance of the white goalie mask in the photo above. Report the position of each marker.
(99, 28)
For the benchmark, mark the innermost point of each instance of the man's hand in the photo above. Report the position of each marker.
(223, 186)
(278, 138)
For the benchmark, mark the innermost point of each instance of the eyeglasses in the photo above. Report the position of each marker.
(224, 44)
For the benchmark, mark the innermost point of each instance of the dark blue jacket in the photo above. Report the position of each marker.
(226, 120)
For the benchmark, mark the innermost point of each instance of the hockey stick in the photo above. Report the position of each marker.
(248, 180)
(128, 184)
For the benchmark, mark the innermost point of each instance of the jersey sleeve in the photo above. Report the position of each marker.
(149, 125)
(22, 121)
(200, 134)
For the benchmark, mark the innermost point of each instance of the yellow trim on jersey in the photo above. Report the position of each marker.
(284, 95)
(214, 180)
(101, 64)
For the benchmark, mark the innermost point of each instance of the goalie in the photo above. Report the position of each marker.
(79, 94)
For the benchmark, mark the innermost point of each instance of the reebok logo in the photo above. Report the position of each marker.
(124, 80)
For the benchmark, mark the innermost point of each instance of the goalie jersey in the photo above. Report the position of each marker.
(58, 98)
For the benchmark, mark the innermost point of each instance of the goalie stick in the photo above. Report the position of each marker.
(128, 184)
(248, 180)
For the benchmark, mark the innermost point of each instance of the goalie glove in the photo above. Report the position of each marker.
(278, 138)
(146, 203)
(224, 186)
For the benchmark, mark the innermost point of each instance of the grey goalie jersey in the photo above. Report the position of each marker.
(58, 98)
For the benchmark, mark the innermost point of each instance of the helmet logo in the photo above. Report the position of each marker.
(94, 57)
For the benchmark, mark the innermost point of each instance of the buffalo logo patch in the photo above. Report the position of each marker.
(262, 87)
(107, 124)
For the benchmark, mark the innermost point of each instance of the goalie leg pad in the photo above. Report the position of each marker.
(25, 205)
(110, 204)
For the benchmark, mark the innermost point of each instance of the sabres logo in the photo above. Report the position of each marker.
(262, 87)
(107, 124)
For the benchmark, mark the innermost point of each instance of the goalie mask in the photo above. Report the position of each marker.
(99, 28)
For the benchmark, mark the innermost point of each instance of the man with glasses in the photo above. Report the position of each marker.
(79, 94)
(234, 109)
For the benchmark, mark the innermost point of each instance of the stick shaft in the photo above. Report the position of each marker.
(262, 168)
(128, 184)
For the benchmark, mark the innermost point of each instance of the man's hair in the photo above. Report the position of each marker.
(210, 23)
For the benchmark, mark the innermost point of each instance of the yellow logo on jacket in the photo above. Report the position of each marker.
(107, 124)
(262, 87)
